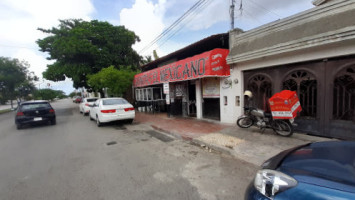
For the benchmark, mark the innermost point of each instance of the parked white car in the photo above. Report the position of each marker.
(111, 109)
(85, 104)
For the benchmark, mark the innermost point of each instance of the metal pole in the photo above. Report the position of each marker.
(232, 14)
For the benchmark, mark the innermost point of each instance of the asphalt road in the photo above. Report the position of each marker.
(71, 160)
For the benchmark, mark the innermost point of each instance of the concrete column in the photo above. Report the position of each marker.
(198, 99)
(234, 108)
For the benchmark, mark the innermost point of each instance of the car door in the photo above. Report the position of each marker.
(82, 105)
(95, 108)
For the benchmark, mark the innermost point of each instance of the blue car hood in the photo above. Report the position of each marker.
(327, 164)
(304, 191)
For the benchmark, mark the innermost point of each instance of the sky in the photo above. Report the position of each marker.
(19, 20)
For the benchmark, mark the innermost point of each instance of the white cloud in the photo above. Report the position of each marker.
(38, 64)
(145, 19)
(19, 20)
(210, 14)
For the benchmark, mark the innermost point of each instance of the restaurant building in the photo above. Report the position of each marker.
(186, 82)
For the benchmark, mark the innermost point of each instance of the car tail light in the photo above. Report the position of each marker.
(51, 110)
(128, 109)
(86, 104)
(20, 114)
(108, 111)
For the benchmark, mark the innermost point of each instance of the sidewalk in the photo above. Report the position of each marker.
(250, 145)
(7, 106)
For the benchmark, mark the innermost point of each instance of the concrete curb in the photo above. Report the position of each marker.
(177, 136)
(197, 141)
(217, 148)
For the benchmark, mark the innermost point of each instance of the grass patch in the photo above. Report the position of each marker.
(5, 111)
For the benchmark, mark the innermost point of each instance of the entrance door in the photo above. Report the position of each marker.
(192, 99)
(211, 95)
(305, 84)
(340, 104)
(261, 87)
(325, 89)
(211, 108)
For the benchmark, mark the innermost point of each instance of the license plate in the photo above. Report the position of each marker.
(37, 119)
(119, 110)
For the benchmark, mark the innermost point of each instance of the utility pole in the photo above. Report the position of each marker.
(231, 11)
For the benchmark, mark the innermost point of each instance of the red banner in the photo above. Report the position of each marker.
(208, 64)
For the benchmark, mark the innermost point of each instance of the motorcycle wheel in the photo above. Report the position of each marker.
(283, 128)
(245, 122)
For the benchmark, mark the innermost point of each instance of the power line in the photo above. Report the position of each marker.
(267, 10)
(252, 17)
(171, 26)
(178, 30)
(175, 24)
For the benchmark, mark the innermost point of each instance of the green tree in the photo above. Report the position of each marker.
(48, 94)
(146, 60)
(74, 93)
(15, 79)
(117, 81)
(82, 48)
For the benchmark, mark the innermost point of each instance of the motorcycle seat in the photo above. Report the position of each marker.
(268, 114)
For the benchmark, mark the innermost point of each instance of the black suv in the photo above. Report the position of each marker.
(34, 112)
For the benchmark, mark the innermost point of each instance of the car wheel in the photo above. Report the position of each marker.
(53, 121)
(98, 123)
(130, 121)
(91, 119)
(84, 113)
(18, 126)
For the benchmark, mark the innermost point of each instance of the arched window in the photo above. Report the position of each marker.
(344, 94)
(305, 84)
(260, 86)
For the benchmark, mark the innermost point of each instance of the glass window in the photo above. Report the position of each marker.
(145, 94)
(137, 94)
(34, 106)
(157, 94)
(91, 100)
(114, 102)
(141, 97)
(149, 94)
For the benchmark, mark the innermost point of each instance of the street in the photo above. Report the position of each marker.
(75, 159)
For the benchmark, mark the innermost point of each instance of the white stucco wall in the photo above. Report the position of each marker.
(231, 111)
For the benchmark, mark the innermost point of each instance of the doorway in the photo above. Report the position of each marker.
(192, 98)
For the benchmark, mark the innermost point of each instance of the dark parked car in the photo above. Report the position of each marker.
(34, 112)
(323, 170)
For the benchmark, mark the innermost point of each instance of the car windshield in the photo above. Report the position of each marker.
(34, 106)
(114, 102)
(91, 100)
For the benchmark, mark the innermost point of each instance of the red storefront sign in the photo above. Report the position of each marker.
(208, 64)
(285, 105)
